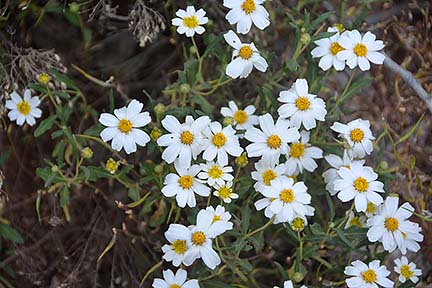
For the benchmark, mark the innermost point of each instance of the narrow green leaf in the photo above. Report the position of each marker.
(45, 125)
(9, 233)
(410, 132)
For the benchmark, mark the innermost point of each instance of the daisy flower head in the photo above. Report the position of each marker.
(359, 183)
(177, 280)
(245, 56)
(407, 270)
(336, 162)
(23, 109)
(122, 127)
(327, 49)
(265, 172)
(272, 140)
(372, 275)
(184, 185)
(225, 192)
(243, 119)
(184, 141)
(301, 107)
(358, 135)
(289, 199)
(220, 142)
(176, 250)
(214, 173)
(199, 238)
(355, 220)
(301, 155)
(189, 21)
(220, 215)
(391, 227)
(245, 12)
(359, 49)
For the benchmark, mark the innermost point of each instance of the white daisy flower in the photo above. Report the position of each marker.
(185, 185)
(185, 141)
(359, 50)
(301, 155)
(368, 276)
(358, 135)
(199, 238)
(123, 127)
(301, 107)
(221, 142)
(355, 220)
(175, 281)
(243, 119)
(327, 49)
(245, 12)
(290, 199)
(392, 227)
(336, 163)
(225, 192)
(175, 251)
(219, 214)
(407, 270)
(272, 140)
(265, 172)
(214, 173)
(244, 57)
(23, 110)
(189, 22)
(359, 183)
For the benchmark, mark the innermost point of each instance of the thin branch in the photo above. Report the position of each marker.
(410, 80)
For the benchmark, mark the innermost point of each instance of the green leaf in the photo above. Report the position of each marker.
(410, 132)
(64, 78)
(134, 194)
(206, 107)
(45, 125)
(356, 87)
(214, 284)
(9, 233)
(320, 19)
(344, 239)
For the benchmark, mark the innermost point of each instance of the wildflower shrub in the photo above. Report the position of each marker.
(282, 191)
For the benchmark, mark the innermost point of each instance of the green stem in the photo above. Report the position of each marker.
(198, 56)
(260, 228)
(150, 271)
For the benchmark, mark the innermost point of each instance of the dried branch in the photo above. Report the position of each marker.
(410, 80)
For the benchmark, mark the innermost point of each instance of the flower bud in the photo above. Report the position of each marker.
(74, 7)
(159, 108)
(297, 277)
(340, 27)
(185, 88)
(158, 169)
(155, 133)
(297, 224)
(242, 160)
(228, 121)
(111, 165)
(44, 78)
(54, 168)
(305, 39)
(87, 153)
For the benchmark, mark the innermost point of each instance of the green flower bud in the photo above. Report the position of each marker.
(297, 277)
(159, 108)
(111, 166)
(87, 153)
(242, 160)
(54, 168)
(305, 39)
(74, 7)
(228, 121)
(44, 78)
(159, 169)
(155, 133)
(185, 88)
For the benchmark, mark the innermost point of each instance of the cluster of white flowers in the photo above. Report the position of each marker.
(348, 48)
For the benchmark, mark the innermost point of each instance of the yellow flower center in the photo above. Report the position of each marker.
(185, 182)
(219, 139)
(369, 276)
(245, 52)
(297, 150)
(216, 218)
(198, 238)
(287, 196)
(125, 126)
(302, 103)
(335, 48)
(224, 192)
(361, 184)
(268, 176)
(191, 22)
(24, 108)
(274, 142)
(248, 6)
(392, 224)
(186, 137)
(355, 221)
(406, 271)
(240, 117)
(215, 172)
(371, 208)
(179, 246)
(174, 286)
(357, 135)
(298, 224)
(360, 50)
